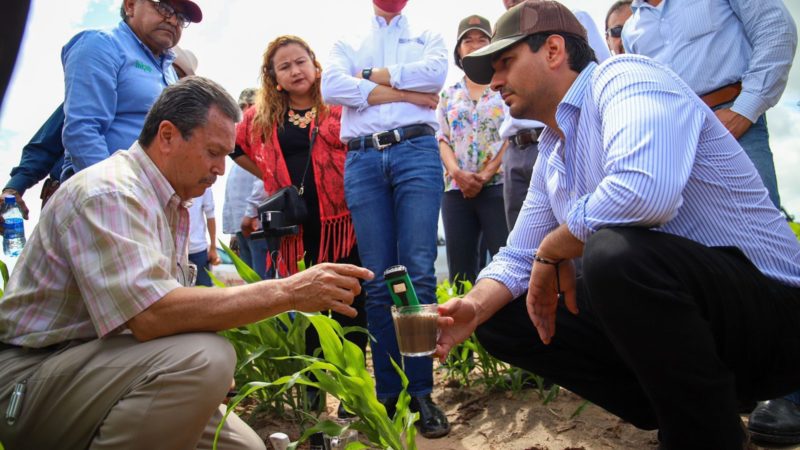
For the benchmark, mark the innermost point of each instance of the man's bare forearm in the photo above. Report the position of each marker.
(489, 296)
(191, 309)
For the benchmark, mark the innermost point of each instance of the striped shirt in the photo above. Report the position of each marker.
(111, 242)
(641, 149)
(713, 43)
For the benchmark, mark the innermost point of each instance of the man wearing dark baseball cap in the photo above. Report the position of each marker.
(690, 289)
(112, 77)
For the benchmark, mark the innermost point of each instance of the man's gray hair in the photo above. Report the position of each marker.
(185, 104)
(247, 97)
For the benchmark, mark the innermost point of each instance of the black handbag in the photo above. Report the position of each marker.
(289, 199)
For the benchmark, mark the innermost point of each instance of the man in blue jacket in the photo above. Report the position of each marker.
(112, 77)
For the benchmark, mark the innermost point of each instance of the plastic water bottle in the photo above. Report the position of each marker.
(13, 228)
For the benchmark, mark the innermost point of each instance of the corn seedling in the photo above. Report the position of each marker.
(471, 357)
(273, 349)
(261, 349)
(343, 374)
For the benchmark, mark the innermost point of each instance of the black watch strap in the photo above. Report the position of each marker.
(366, 73)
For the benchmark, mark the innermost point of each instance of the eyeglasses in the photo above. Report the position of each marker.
(167, 11)
(614, 32)
(187, 275)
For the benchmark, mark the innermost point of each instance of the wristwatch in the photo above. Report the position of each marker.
(366, 73)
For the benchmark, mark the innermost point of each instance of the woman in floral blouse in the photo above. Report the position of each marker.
(470, 116)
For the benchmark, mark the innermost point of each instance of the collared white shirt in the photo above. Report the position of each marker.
(416, 60)
(237, 189)
(512, 126)
(640, 149)
(713, 43)
(200, 212)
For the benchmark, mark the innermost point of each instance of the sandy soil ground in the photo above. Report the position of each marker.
(507, 421)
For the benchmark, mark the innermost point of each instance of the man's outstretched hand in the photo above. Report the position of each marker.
(458, 319)
(327, 286)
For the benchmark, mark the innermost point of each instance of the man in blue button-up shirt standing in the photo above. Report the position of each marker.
(713, 45)
(113, 77)
(689, 298)
(735, 54)
(388, 82)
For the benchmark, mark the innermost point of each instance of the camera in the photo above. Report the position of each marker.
(273, 226)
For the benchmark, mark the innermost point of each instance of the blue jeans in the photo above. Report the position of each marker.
(258, 252)
(394, 197)
(200, 259)
(244, 249)
(755, 143)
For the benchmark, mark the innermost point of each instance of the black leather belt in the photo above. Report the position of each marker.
(384, 139)
(525, 138)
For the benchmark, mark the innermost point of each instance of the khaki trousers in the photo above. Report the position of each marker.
(119, 393)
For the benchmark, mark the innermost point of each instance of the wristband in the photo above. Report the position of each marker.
(549, 262)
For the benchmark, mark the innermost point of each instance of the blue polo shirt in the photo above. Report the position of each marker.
(111, 79)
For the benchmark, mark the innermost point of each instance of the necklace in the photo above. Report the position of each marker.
(302, 121)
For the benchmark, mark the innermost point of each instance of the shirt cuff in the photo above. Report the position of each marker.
(251, 210)
(395, 75)
(576, 220)
(365, 87)
(19, 184)
(506, 280)
(749, 105)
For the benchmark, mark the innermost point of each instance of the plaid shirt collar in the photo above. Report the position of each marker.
(165, 193)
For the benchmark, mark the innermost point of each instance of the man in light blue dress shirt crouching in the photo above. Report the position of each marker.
(714, 45)
(690, 293)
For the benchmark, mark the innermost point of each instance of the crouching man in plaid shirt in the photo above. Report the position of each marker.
(99, 325)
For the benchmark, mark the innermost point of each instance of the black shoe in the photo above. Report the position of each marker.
(776, 422)
(314, 400)
(391, 406)
(343, 413)
(432, 422)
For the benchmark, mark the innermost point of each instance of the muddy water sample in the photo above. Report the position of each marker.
(416, 328)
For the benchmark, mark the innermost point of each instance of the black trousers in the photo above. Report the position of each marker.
(469, 223)
(671, 334)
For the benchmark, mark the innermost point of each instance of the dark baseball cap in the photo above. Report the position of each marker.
(519, 22)
(474, 22)
(190, 8)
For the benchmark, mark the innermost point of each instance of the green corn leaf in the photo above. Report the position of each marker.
(214, 279)
(580, 409)
(4, 273)
(247, 274)
(796, 228)
(551, 394)
(331, 343)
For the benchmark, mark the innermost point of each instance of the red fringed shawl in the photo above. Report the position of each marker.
(338, 235)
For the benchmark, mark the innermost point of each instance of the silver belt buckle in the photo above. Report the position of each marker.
(376, 139)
